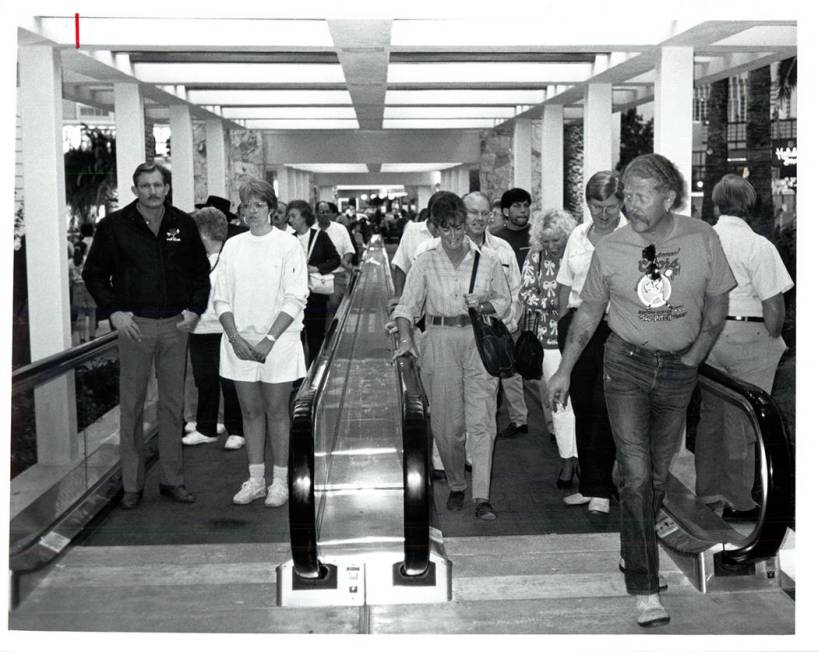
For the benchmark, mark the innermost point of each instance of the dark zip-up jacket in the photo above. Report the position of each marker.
(156, 276)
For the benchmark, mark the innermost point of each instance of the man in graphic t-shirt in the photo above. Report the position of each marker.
(667, 280)
(516, 207)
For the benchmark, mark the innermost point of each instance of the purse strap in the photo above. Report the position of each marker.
(313, 240)
(474, 271)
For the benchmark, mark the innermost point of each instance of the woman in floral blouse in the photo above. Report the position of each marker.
(540, 300)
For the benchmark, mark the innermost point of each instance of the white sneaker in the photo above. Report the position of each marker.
(194, 438)
(650, 612)
(190, 426)
(233, 443)
(251, 490)
(277, 494)
(576, 499)
(599, 505)
(220, 429)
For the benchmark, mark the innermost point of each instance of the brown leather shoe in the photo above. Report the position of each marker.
(177, 493)
(130, 499)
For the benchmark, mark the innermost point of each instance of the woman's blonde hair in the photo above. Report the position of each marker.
(554, 220)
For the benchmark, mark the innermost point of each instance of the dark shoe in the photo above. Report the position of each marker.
(662, 580)
(177, 493)
(565, 483)
(484, 511)
(730, 514)
(512, 430)
(437, 474)
(455, 501)
(468, 467)
(130, 499)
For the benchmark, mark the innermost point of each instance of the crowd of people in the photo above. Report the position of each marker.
(625, 306)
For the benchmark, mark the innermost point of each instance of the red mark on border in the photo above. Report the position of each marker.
(76, 31)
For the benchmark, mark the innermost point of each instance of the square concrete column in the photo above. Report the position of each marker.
(596, 129)
(181, 134)
(129, 112)
(462, 179)
(552, 156)
(521, 148)
(216, 158)
(49, 315)
(616, 137)
(283, 183)
(424, 192)
(672, 110)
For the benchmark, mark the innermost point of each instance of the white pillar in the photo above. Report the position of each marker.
(181, 134)
(673, 119)
(424, 192)
(616, 137)
(596, 129)
(129, 111)
(283, 183)
(521, 147)
(596, 133)
(552, 156)
(463, 179)
(49, 315)
(327, 193)
(216, 158)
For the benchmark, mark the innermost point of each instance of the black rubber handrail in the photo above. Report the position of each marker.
(416, 479)
(775, 458)
(303, 530)
(43, 370)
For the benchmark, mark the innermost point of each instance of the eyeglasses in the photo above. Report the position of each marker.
(485, 214)
(649, 255)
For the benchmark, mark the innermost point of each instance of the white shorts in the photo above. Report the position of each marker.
(284, 364)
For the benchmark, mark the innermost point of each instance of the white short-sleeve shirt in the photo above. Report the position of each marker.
(760, 273)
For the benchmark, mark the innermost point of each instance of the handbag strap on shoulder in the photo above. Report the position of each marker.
(474, 271)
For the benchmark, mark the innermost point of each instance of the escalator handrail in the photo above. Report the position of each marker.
(776, 508)
(417, 489)
(303, 530)
(41, 371)
(416, 478)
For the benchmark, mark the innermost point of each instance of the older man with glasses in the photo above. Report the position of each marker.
(667, 280)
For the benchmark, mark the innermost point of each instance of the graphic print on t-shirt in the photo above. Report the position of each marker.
(654, 291)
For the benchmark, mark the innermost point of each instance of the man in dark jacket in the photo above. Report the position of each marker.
(148, 269)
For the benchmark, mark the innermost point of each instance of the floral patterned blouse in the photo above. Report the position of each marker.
(539, 295)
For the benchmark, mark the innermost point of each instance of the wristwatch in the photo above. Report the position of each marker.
(272, 339)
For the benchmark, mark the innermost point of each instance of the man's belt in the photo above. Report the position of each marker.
(738, 318)
(458, 320)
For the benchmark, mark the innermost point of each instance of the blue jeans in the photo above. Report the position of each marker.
(647, 393)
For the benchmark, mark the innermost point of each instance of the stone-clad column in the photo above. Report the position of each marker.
(216, 158)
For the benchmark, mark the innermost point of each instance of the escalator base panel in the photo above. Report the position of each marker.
(367, 578)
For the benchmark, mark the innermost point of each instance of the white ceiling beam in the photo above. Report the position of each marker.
(363, 51)
(239, 73)
(194, 33)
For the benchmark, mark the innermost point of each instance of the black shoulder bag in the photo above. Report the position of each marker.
(494, 342)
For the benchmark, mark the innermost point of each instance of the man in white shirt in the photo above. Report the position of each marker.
(326, 214)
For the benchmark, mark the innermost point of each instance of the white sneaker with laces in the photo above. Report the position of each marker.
(190, 426)
(251, 490)
(277, 494)
(599, 505)
(194, 438)
(220, 429)
(576, 499)
(233, 443)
